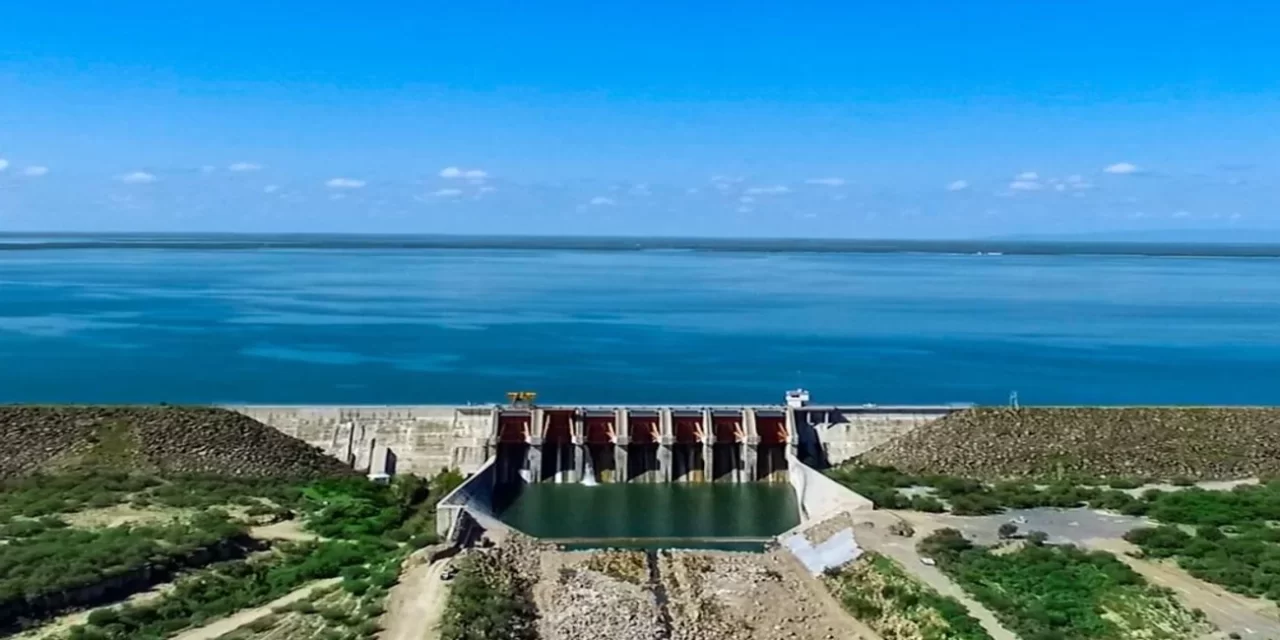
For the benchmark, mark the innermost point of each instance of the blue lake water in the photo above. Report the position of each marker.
(125, 325)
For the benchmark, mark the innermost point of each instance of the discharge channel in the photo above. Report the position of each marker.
(729, 516)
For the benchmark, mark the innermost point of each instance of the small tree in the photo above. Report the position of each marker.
(1007, 530)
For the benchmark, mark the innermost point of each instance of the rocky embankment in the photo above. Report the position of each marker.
(152, 439)
(1158, 442)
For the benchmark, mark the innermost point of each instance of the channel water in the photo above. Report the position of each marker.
(730, 516)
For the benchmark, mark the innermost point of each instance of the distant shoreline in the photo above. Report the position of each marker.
(260, 242)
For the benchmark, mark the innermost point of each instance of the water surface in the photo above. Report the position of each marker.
(657, 514)
(375, 326)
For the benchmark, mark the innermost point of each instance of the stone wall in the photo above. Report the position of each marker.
(424, 439)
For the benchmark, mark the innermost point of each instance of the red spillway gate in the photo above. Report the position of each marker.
(688, 428)
(600, 429)
(772, 429)
(644, 428)
(557, 426)
(728, 427)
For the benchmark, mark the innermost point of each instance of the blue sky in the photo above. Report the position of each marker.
(856, 119)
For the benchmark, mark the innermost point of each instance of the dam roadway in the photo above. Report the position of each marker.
(614, 443)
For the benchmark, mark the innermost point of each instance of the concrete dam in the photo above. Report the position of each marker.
(532, 468)
(566, 443)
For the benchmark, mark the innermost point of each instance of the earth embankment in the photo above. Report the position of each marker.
(161, 439)
(1151, 442)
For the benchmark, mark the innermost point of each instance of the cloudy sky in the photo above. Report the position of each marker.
(853, 119)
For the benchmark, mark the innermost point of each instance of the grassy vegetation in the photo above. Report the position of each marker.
(1045, 592)
(1233, 539)
(229, 587)
(966, 496)
(60, 566)
(330, 613)
(43, 561)
(877, 591)
(488, 601)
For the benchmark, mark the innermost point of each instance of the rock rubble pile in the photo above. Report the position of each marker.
(203, 440)
(1157, 442)
(587, 604)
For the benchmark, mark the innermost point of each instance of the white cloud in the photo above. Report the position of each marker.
(271, 188)
(4, 164)
(826, 182)
(208, 169)
(344, 183)
(35, 171)
(137, 177)
(744, 209)
(640, 190)
(488, 189)
(1121, 168)
(726, 179)
(958, 185)
(1025, 185)
(771, 190)
(244, 166)
(692, 191)
(1182, 214)
(470, 174)
(446, 193)
(1027, 176)
(601, 201)
(746, 199)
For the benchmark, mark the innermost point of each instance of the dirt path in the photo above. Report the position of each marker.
(1230, 612)
(284, 530)
(219, 628)
(416, 604)
(903, 551)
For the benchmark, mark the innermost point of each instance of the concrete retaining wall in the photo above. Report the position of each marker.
(852, 433)
(819, 496)
(475, 497)
(425, 439)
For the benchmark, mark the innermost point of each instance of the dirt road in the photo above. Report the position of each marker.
(415, 604)
(903, 551)
(224, 626)
(1230, 612)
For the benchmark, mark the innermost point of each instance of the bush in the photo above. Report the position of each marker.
(103, 617)
(488, 600)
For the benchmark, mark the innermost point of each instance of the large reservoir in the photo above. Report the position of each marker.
(639, 515)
